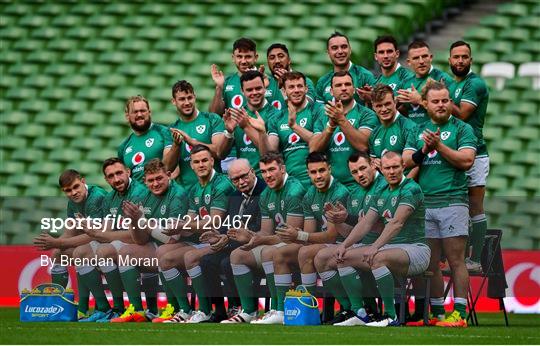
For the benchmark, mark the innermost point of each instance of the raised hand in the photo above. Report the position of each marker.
(217, 76)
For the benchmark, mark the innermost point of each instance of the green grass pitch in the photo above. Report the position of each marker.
(523, 330)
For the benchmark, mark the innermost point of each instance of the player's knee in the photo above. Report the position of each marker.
(125, 251)
(267, 254)
(191, 259)
(237, 256)
(305, 255)
(166, 261)
(81, 251)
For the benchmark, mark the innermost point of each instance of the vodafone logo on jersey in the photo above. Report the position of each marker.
(237, 101)
(188, 148)
(294, 138)
(276, 104)
(203, 212)
(247, 140)
(432, 154)
(138, 158)
(339, 138)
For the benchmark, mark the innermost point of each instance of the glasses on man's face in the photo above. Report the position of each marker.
(244, 176)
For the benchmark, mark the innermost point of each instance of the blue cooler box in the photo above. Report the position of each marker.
(56, 306)
(301, 308)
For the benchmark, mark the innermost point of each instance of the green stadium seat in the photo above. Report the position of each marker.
(222, 34)
(149, 81)
(118, 33)
(118, 9)
(33, 21)
(69, 131)
(86, 143)
(533, 121)
(246, 23)
(37, 81)
(188, 8)
(152, 33)
(531, 23)
(514, 35)
(56, 94)
(170, 21)
(13, 143)
(480, 34)
(155, 9)
(47, 33)
(6, 82)
(66, 21)
(15, 93)
(524, 109)
(136, 45)
(98, 156)
(41, 57)
(207, 21)
(123, 94)
(517, 58)
(519, 83)
(531, 96)
(17, 227)
(30, 130)
(114, 57)
(111, 81)
(51, 118)
(91, 93)
(48, 143)
(150, 57)
(29, 45)
(160, 95)
(108, 106)
(63, 45)
(65, 155)
(497, 22)
(83, 8)
(170, 71)
(51, 9)
(529, 207)
(23, 69)
(99, 45)
(88, 118)
(10, 57)
(224, 9)
(81, 33)
(513, 10)
(108, 132)
(525, 133)
(169, 46)
(45, 168)
(499, 47)
(364, 10)
(44, 191)
(9, 191)
(71, 105)
(187, 58)
(295, 9)
(329, 9)
(33, 106)
(27, 155)
(531, 184)
(13, 33)
(138, 21)
(492, 133)
(18, 9)
(278, 22)
(507, 145)
(294, 34)
(510, 171)
(59, 69)
(79, 57)
(101, 21)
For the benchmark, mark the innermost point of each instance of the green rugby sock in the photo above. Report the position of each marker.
(112, 275)
(131, 279)
(84, 295)
(479, 228)
(270, 283)
(91, 278)
(353, 285)
(385, 284)
(59, 275)
(283, 283)
(243, 278)
(197, 281)
(332, 282)
(174, 280)
(150, 282)
(460, 305)
(171, 299)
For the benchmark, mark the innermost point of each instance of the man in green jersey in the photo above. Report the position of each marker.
(83, 201)
(419, 58)
(387, 54)
(339, 51)
(164, 201)
(192, 127)
(279, 63)
(236, 120)
(341, 220)
(280, 203)
(291, 131)
(345, 128)
(148, 140)
(315, 235)
(208, 201)
(400, 248)
(107, 239)
(392, 133)
(470, 95)
(444, 149)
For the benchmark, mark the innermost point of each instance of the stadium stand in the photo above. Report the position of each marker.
(67, 69)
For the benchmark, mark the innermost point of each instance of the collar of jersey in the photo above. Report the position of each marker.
(245, 195)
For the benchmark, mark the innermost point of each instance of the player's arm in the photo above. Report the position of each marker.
(461, 159)
(327, 237)
(394, 226)
(464, 110)
(320, 141)
(358, 138)
(171, 154)
(217, 105)
(362, 228)
(304, 133)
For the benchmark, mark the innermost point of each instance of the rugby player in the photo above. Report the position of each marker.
(444, 149)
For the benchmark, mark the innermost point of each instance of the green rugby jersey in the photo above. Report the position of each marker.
(136, 150)
(392, 137)
(443, 184)
(112, 203)
(361, 199)
(473, 89)
(418, 113)
(202, 128)
(400, 74)
(339, 149)
(280, 102)
(234, 98)
(293, 148)
(361, 76)
(171, 204)
(410, 194)
(213, 195)
(244, 146)
(91, 206)
(314, 201)
(277, 205)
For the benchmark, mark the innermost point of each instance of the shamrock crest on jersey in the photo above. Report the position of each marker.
(200, 129)
(445, 135)
(149, 142)
(303, 122)
(393, 139)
